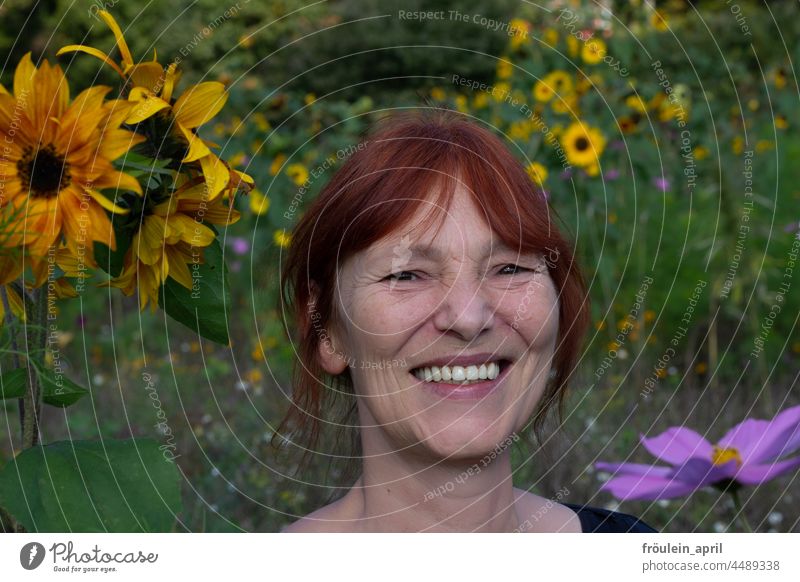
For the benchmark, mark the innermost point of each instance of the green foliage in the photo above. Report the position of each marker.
(205, 307)
(58, 389)
(83, 486)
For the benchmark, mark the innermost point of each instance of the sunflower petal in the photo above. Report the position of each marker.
(127, 59)
(147, 104)
(149, 75)
(197, 149)
(216, 175)
(106, 203)
(199, 103)
(79, 48)
(23, 77)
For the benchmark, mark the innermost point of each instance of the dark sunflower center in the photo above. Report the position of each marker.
(581, 144)
(43, 172)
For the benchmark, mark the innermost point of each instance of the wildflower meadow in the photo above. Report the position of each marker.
(155, 158)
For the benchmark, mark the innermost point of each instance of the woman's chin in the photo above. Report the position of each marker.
(468, 440)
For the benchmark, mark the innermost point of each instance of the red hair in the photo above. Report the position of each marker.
(375, 193)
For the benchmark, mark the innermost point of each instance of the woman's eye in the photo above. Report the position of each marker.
(512, 270)
(400, 276)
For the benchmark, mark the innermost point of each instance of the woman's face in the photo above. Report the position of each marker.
(460, 297)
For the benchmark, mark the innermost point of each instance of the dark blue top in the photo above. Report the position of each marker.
(596, 520)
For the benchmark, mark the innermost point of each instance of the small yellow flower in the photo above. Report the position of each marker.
(738, 144)
(500, 91)
(701, 152)
(550, 36)
(573, 46)
(600, 325)
(504, 68)
(246, 41)
(537, 173)
(612, 218)
(763, 145)
(780, 79)
(594, 50)
(461, 103)
(583, 145)
(661, 373)
(636, 103)
(701, 368)
(259, 204)
(752, 104)
(298, 173)
(254, 376)
(282, 238)
(480, 101)
(309, 98)
(649, 315)
(438, 94)
(780, 122)
(521, 32)
(554, 83)
(276, 164)
(658, 20)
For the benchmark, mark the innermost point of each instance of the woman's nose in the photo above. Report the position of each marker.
(464, 310)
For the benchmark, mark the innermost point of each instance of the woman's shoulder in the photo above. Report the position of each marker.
(599, 520)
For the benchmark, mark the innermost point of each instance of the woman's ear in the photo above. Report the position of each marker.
(329, 348)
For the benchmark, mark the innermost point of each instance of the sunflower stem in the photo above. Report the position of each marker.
(9, 322)
(740, 515)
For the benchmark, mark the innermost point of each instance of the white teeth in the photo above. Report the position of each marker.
(482, 372)
(472, 372)
(458, 374)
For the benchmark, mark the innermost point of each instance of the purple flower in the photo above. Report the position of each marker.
(792, 227)
(240, 245)
(566, 174)
(661, 183)
(749, 454)
(612, 174)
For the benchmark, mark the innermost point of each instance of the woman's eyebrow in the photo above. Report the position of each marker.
(435, 253)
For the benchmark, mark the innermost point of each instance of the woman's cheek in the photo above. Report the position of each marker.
(532, 310)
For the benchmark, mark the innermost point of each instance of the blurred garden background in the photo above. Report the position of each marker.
(664, 134)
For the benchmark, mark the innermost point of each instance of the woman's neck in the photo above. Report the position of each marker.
(402, 491)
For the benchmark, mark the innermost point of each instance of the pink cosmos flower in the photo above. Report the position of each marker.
(749, 454)
(661, 183)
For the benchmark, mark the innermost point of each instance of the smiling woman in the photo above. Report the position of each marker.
(431, 247)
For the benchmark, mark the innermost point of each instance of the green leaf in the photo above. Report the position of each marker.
(13, 383)
(92, 486)
(58, 390)
(204, 308)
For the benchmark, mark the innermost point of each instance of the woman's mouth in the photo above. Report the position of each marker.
(458, 382)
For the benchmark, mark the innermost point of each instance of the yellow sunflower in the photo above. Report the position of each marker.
(297, 173)
(593, 51)
(57, 158)
(504, 68)
(259, 203)
(152, 92)
(554, 83)
(537, 173)
(169, 240)
(582, 144)
(282, 238)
